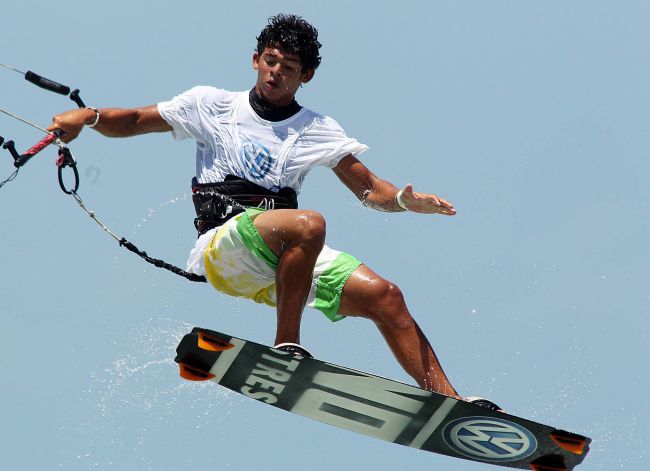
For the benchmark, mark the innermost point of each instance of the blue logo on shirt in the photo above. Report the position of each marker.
(256, 158)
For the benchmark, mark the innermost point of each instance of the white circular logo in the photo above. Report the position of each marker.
(489, 439)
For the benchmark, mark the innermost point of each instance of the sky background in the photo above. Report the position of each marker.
(531, 117)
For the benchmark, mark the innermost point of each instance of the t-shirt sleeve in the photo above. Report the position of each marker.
(326, 142)
(186, 113)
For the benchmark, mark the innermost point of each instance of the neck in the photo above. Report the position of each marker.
(270, 111)
(278, 104)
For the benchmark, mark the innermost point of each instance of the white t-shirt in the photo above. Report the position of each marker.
(232, 139)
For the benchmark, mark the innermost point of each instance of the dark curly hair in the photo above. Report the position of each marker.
(292, 35)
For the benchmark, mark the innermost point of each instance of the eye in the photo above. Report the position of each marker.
(290, 68)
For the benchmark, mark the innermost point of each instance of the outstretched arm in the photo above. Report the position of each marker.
(380, 194)
(112, 122)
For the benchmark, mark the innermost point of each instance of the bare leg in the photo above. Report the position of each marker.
(297, 238)
(368, 295)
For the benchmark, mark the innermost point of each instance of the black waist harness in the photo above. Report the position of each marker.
(215, 203)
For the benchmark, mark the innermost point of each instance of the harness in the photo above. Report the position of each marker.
(215, 203)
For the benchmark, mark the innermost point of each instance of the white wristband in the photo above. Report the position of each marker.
(399, 201)
(96, 117)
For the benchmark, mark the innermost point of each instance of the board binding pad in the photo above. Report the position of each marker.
(376, 406)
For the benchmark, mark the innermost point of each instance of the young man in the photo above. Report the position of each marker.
(254, 149)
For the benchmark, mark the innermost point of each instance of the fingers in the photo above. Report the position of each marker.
(444, 207)
(444, 202)
(71, 122)
(447, 207)
(426, 203)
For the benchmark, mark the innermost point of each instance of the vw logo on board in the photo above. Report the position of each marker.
(489, 439)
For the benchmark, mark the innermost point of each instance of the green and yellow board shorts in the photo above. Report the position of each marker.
(238, 262)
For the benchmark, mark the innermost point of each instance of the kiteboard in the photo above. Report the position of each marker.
(376, 406)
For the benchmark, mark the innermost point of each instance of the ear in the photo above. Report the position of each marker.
(256, 60)
(307, 76)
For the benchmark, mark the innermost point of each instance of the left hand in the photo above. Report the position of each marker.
(426, 203)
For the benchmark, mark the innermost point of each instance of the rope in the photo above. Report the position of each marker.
(131, 247)
(11, 177)
(161, 263)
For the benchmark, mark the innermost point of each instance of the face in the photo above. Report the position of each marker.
(279, 75)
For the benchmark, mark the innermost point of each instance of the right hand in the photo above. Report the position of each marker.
(72, 122)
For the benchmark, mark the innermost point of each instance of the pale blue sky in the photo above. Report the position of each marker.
(531, 117)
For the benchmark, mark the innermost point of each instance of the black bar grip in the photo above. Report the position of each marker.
(11, 147)
(74, 96)
(47, 84)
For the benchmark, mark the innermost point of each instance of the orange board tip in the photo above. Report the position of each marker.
(212, 344)
(573, 443)
(193, 374)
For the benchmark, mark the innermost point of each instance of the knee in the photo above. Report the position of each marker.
(311, 228)
(388, 306)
